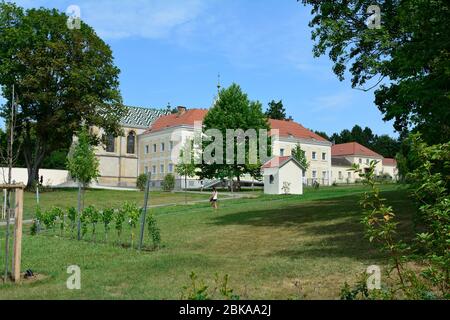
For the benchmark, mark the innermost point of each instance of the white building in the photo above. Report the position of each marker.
(345, 155)
(283, 175)
(157, 143)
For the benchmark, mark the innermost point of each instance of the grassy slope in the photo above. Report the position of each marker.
(266, 245)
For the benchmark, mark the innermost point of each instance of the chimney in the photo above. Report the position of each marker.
(290, 119)
(181, 110)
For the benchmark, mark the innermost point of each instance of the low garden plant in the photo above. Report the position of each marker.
(107, 217)
(133, 213)
(91, 217)
(72, 216)
(153, 231)
(198, 290)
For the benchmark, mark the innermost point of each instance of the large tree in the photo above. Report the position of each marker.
(64, 79)
(407, 59)
(276, 110)
(233, 110)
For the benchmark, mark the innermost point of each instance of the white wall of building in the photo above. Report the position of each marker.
(52, 178)
(290, 173)
(319, 166)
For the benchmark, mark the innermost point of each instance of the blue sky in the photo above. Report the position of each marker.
(172, 51)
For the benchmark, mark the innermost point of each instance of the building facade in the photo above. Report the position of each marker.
(119, 156)
(345, 155)
(157, 154)
(153, 138)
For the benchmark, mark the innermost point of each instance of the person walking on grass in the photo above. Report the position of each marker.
(214, 198)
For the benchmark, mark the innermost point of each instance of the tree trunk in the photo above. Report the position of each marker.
(79, 213)
(34, 159)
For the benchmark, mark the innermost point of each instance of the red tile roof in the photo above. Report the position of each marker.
(174, 120)
(294, 129)
(285, 128)
(353, 149)
(276, 162)
(389, 162)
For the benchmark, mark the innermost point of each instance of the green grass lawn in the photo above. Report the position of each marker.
(65, 198)
(272, 247)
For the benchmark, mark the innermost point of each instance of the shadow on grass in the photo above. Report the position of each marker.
(333, 224)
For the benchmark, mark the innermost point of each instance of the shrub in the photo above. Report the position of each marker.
(141, 181)
(39, 219)
(93, 217)
(84, 221)
(48, 218)
(72, 215)
(119, 219)
(153, 231)
(107, 216)
(430, 246)
(197, 290)
(59, 216)
(132, 211)
(169, 182)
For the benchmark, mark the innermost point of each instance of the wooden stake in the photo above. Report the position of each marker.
(18, 236)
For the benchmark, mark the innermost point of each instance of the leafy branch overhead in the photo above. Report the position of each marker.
(407, 59)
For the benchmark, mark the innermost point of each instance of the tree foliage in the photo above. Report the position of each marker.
(82, 163)
(429, 248)
(186, 167)
(385, 145)
(233, 110)
(276, 110)
(300, 156)
(63, 79)
(407, 59)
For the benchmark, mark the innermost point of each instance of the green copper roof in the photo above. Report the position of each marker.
(139, 117)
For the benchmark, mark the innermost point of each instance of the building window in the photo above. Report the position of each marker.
(154, 169)
(145, 169)
(367, 161)
(314, 174)
(170, 167)
(360, 160)
(154, 148)
(163, 147)
(340, 175)
(324, 174)
(171, 145)
(131, 141)
(314, 155)
(110, 143)
(161, 168)
(271, 179)
(282, 152)
(324, 156)
(147, 149)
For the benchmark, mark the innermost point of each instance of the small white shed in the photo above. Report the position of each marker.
(283, 175)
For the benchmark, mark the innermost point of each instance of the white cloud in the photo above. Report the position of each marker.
(151, 19)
